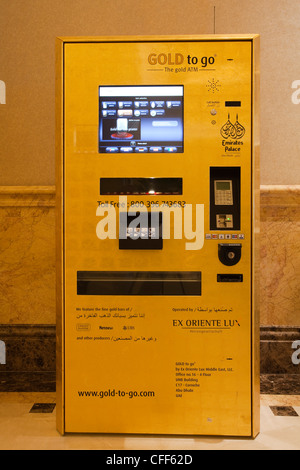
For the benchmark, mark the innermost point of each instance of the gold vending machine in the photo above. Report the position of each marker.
(157, 226)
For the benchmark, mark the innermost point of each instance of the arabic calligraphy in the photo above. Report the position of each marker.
(109, 315)
(134, 339)
(240, 130)
(203, 309)
(233, 131)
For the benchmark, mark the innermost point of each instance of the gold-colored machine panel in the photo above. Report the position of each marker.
(157, 157)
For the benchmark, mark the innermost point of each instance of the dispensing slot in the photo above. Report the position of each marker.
(140, 186)
(160, 283)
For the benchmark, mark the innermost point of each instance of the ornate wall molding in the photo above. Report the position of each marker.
(283, 195)
(271, 195)
(27, 196)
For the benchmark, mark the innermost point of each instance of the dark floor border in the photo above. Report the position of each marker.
(30, 358)
(280, 384)
(31, 350)
(276, 349)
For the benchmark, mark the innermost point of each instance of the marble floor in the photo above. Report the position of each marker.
(27, 422)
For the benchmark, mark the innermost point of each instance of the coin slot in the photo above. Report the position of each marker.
(229, 253)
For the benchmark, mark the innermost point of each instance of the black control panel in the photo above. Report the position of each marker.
(225, 212)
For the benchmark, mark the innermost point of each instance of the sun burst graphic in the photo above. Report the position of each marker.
(213, 85)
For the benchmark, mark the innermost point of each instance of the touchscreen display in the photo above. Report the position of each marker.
(141, 119)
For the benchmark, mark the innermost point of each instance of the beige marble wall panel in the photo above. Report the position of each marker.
(280, 255)
(27, 55)
(27, 255)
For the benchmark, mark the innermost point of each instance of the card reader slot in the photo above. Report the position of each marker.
(140, 186)
(172, 283)
(229, 277)
(233, 104)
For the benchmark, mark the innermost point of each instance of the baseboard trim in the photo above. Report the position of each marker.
(30, 362)
(276, 349)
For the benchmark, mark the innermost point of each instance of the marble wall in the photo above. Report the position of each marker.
(280, 256)
(28, 29)
(27, 255)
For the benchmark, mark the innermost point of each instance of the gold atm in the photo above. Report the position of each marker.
(157, 226)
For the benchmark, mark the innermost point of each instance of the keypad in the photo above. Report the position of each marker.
(223, 198)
